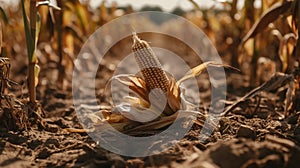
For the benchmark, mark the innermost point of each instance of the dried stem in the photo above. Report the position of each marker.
(59, 29)
(32, 63)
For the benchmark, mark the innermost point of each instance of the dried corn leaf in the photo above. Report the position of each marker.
(200, 68)
(194, 72)
(190, 116)
(66, 21)
(3, 15)
(135, 83)
(115, 118)
(295, 14)
(36, 74)
(156, 125)
(268, 17)
(82, 14)
(137, 102)
(286, 47)
(75, 31)
(69, 41)
(137, 113)
(173, 94)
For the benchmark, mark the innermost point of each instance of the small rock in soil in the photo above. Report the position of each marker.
(297, 130)
(246, 132)
(44, 154)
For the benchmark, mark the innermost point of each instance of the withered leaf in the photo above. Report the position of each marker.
(268, 17)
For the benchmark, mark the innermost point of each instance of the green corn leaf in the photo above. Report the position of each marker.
(37, 32)
(29, 40)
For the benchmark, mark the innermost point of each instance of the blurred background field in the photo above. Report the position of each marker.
(224, 22)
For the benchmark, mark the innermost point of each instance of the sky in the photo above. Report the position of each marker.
(167, 5)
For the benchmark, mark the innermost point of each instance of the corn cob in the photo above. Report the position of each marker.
(149, 64)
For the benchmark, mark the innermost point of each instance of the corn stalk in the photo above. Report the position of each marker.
(59, 29)
(31, 28)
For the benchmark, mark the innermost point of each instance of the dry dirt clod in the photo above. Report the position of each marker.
(246, 132)
(135, 163)
(297, 130)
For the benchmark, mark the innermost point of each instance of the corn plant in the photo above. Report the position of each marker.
(286, 8)
(31, 27)
(289, 49)
(148, 91)
(69, 33)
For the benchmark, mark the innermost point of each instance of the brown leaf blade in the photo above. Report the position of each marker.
(134, 83)
(173, 94)
(196, 71)
(268, 17)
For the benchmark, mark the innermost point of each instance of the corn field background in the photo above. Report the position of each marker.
(258, 44)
